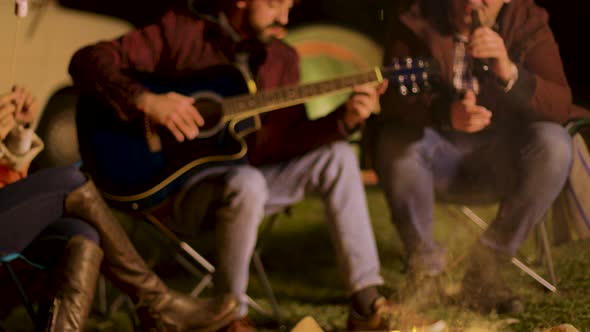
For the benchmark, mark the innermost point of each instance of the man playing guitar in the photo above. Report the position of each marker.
(288, 157)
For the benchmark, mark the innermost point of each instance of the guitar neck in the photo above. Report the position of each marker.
(265, 101)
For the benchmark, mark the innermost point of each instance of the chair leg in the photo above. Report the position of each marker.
(23, 294)
(101, 295)
(547, 252)
(186, 249)
(472, 216)
(267, 288)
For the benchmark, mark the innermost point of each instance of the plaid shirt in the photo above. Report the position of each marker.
(463, 78)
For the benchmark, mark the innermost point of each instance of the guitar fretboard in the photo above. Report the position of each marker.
(269, 100)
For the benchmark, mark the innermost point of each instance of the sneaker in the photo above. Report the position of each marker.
(388, 316)
(240, 325)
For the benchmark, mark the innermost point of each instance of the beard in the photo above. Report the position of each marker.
(274, 31)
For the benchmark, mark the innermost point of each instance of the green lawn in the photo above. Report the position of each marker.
(299, 261)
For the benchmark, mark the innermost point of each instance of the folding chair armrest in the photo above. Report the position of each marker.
(573, 126)
(580, 118)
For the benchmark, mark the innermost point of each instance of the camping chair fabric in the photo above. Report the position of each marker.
(572, 207)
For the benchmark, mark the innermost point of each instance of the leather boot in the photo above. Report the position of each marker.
(76, 285)
(159, 308)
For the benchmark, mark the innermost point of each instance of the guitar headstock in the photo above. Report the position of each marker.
(410, 75)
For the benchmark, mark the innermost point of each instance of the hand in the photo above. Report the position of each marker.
(7, 110)
(27, 107)
(467, 116)
(363, 101)
(173, 111)
(485, 43)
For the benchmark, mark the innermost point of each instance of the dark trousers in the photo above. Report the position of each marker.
(523, 168)
(32, 209)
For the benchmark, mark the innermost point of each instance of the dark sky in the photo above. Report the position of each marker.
(566, 17)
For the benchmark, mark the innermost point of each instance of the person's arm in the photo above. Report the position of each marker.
(20, 146)
(541, 85)
(106, 71)
(535, 83)
(288, 133)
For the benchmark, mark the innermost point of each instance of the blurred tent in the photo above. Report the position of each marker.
(329, 51)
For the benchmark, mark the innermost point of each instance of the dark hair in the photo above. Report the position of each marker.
(214, 6)
(437, 12)
(209, 6)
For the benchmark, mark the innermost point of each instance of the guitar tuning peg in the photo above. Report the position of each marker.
(403, 90)
(415, 88)
(409, 62)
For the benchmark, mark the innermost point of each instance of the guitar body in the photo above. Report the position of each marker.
(118, 157)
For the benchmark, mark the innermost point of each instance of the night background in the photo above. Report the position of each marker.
(307, 284)
(566, 19)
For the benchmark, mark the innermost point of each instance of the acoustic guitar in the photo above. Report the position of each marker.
(138, 166)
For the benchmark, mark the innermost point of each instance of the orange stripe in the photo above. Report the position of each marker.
(314, 48)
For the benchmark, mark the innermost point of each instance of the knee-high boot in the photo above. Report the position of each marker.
(159, 308)
(76, 285)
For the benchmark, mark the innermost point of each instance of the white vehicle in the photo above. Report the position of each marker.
(36, 50)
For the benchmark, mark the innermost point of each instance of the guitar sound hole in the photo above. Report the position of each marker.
(211, 112)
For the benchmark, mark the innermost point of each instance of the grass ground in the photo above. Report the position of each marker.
(299, 260)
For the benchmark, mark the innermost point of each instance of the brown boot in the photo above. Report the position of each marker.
(75, 288)
(159, 308)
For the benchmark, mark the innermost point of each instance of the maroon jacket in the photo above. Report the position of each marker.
(540, 93)
(183, 43)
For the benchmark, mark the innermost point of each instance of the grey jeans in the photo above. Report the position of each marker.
(242, 196)
(523, 168)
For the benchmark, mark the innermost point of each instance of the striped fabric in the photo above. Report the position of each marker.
(463, 78)
(572, 207)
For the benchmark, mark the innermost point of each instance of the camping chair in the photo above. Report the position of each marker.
(542, 236)
(57, 128)
(6, 262)
(572, 207)
(191, 260)
(370, 178)
(518, 260)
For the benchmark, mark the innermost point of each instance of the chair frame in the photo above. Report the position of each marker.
(573, 127)
(545, 248)
(200, 267)
(23, 294)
